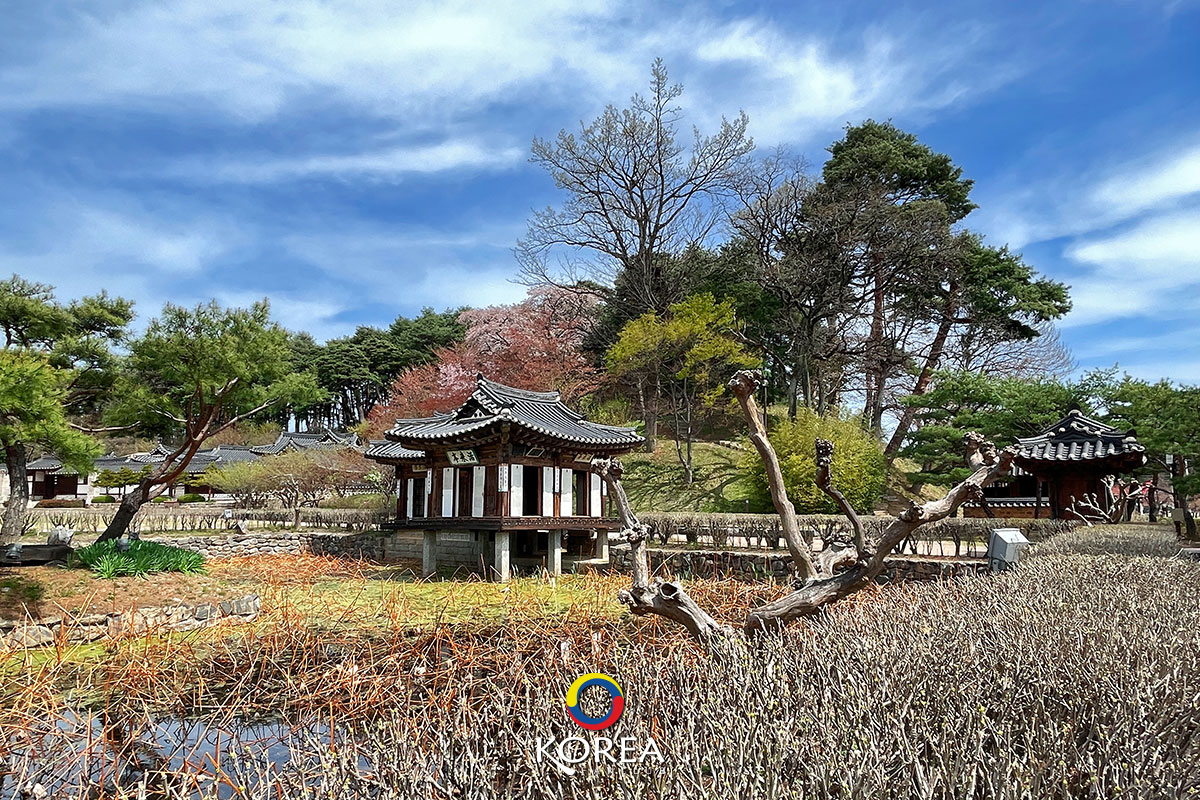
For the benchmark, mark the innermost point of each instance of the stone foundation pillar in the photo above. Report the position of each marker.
(602, 545)
(429, 554)
(554, 554)
(503, 547)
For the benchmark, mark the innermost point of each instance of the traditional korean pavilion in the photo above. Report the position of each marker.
(1067, 460)
(507, 475)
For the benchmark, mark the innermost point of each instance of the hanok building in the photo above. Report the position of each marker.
(505, 478)
(1067, 460)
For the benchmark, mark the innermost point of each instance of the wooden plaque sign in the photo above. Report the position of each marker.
(462, 458)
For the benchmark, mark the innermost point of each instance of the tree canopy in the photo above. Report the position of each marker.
(196, 372)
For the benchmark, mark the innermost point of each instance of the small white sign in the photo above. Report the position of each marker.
(502, 478)
(462, 458)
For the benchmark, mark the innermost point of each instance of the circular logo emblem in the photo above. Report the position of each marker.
(615, 696)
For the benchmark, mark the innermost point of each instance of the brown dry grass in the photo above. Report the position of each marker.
(1074, 676)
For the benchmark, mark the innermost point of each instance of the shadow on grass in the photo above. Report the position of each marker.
(20, 595)
(660, 484)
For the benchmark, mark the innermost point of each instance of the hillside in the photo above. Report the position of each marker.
(655, 482)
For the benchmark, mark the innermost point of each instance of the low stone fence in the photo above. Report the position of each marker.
(454, 547)
(955, 536)
(759, 566)
(15, 634)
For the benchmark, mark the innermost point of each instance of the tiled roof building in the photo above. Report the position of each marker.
(507, 462)
(1067, 460)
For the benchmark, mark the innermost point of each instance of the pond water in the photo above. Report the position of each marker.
(96, 754)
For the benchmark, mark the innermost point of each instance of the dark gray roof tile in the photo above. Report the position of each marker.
(493, 404)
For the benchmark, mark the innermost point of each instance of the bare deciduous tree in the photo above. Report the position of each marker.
(841, 569)
(634, 193)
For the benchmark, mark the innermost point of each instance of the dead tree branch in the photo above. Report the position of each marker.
(844, 567)
(646, 595)
(744, 385)
(809, 598)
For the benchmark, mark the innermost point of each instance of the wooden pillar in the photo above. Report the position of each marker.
(429, 554)
(554, 552)
(503, 547)
(602, 545)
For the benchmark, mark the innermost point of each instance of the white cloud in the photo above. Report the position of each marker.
(1163, 179)
(439, 61)
(417, 266)
(1045, 207)
(1151, 268)
(794, 87)
(390, 164)
(1162, 248)
(74, 237)
(253, 60)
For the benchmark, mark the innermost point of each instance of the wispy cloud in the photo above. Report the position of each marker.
(391, 164)
(1160, 180)
(1129, 226)
(1104, 194)
(418, 266)
(75, 237)
(794, 86)
(256, 60)
(1151, 268)
(451, 60)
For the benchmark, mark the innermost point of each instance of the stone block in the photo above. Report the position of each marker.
(31, 636)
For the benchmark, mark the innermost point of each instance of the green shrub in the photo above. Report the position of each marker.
(159, 499)
(61, 503)
(142, 558)
(191, 497)
(103, 498)
(859, 467)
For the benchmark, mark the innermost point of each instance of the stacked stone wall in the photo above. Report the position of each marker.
(778, 565)
(76, 628)
(455, 548)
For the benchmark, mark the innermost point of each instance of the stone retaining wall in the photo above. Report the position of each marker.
(454, 548)
(778, 565)
(91, 627)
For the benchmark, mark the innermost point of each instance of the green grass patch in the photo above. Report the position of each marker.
(142, 558)
(656, 481)
(406, 602)
(21, 590)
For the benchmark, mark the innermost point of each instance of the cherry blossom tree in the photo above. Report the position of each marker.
(535, 344)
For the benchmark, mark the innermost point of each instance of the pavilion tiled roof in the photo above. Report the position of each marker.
(541, 414)
(220, 455)
(304, 440)
(51, 465)
(383, 450)
(1077, 437)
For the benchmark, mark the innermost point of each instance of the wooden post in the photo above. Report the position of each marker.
(502, 555)
(554, 554)
(429, 554)
(602, 545)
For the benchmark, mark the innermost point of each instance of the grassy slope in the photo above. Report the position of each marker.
(655, 482)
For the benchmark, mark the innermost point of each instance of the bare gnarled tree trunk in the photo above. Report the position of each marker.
(842, 568)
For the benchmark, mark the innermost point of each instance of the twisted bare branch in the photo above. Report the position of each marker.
(743, 385)
(646, 595)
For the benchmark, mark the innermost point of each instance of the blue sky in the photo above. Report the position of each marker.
(356, 160)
